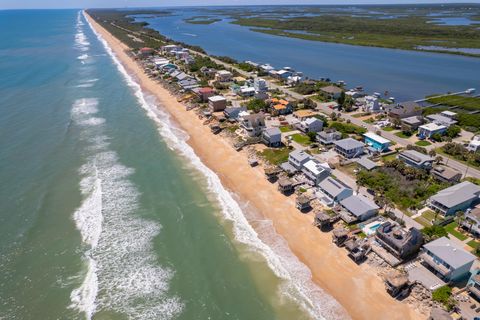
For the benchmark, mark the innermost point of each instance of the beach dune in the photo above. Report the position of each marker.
(357, 288)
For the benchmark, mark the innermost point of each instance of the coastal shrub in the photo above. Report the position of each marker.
(443, 295)
(256, 105)
(453, 131)
(434, 232)
(347, 128)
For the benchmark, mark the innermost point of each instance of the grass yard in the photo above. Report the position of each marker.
(473, 244)
(390, 157)
(275, 156)
(301, 138)
(402, 135)
(422, 221)
(451, 229)
(388, 129)
(286, 128)
(361, 114)
(422, 143)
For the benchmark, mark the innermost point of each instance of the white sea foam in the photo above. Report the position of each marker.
(83, 57)
(298, 284)
(122, 272)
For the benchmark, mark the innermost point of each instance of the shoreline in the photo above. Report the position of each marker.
(356, 288)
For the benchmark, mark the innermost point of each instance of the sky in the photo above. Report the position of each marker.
(48, 4)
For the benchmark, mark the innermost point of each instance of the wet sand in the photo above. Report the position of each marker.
(357, 288)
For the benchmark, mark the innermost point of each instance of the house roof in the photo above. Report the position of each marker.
(299, 155)
(450, 252)
(448, 113)
(273, 131)
(367, 163)
(349, 144)
(376, 138)
(315, 167)
(217, 98)
(309, 121)
(224, 72)
(279, 107)
(405, 108)
(445, 172)
(333, 186)
(413, 120)
(305, 113)
(432, 126)
(416, 156)
(206, 90)
(358, 205)
(441, 119)
(457, 194)
(331, 89)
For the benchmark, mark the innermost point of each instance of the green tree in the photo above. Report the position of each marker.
(312, 136)
(256, 105)
(443, 295)
(453, 131)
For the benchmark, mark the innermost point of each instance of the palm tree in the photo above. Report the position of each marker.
(432, 153)
(460, 217)
(439, 160)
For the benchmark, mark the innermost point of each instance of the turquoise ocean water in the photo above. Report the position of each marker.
(105, 212)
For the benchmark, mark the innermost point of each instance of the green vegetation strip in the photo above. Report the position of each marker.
(275, 156)
(451, 229)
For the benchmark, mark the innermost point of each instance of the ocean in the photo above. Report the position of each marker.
(105, 211)
(406, 75)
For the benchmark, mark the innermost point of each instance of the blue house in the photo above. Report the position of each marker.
(473, 285)
(376, 142)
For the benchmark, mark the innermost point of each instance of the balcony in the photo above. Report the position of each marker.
(440, 268)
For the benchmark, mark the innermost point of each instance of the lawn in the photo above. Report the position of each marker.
(388, 128)
(286, 128)
(390, 157)
(466, 103)
(451, 229)
(422, 143)
(361, 114)
(473, 244)
(301, 138)
(276, 156)
(402, 135)
(422, 221)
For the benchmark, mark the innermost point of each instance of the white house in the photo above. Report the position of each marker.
(310, 125)
(429, 129)
(316, 171)
(223, 76)
(372, 104)
(260, 85)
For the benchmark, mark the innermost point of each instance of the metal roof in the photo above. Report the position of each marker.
(349, 144)
(450, 252)
(358, 205)
(457, 194)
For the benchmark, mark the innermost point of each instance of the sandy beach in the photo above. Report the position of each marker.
(357, 288)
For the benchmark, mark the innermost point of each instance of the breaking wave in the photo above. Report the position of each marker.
(122, 273)
(297, 277)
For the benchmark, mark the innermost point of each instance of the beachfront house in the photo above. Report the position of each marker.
(217, 103)
(428, 130)
(253, 124)
(446, 174)
(310, 125)
(474, 144)
(316, 171)
(399, 242)
(447, 260)
(204, 93)
(349, 148)
(233, 112)
(404, 110)
(332, 92)
(471, 222)
(473, 284)
(272, 137)
(298, 158)
(416, 159)
(411, 123)
(455, 198)
(357, 208)
(333, 191)
(328, 137)
(246, 91)
(223, 76)
(376, 142)
(145, 52)
(304, 114)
